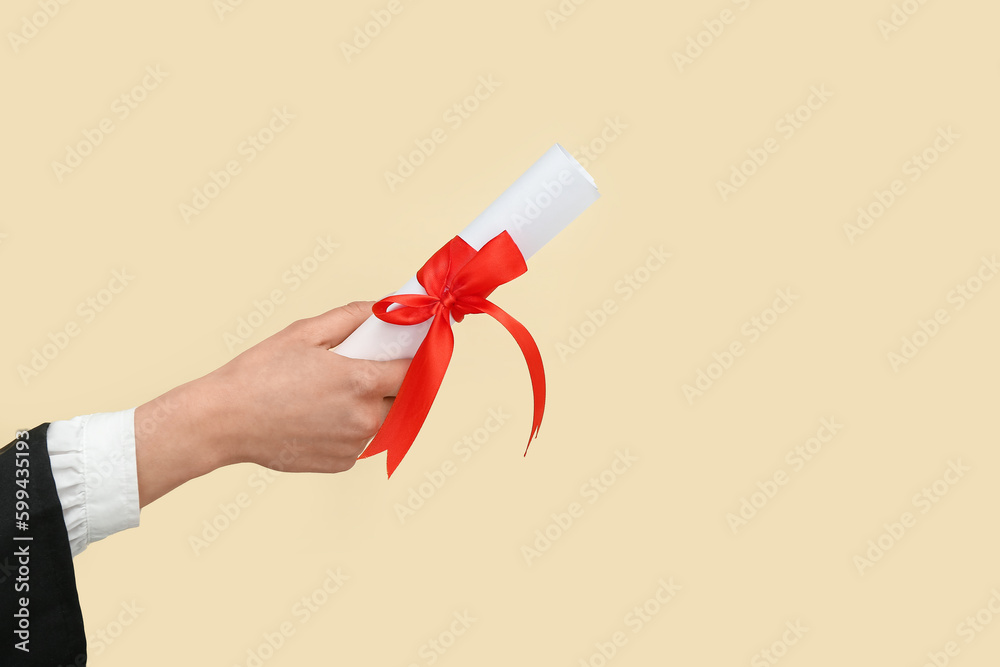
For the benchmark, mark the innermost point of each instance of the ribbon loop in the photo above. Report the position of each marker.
(458, 281)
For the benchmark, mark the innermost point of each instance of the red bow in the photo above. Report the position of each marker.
(457, 280)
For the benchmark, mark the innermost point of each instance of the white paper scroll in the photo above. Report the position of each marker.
(540, 204)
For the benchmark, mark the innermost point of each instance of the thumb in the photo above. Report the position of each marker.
(333, 327)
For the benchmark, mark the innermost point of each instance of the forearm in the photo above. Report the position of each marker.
(176, 440)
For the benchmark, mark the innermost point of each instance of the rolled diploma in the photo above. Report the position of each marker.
(540, 204)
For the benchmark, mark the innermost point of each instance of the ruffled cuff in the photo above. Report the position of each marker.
(93, 464)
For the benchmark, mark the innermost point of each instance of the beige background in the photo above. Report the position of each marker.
(666, 515)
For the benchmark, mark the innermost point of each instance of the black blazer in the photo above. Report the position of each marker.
(40, 619)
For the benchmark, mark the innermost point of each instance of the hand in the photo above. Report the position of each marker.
(287, 403)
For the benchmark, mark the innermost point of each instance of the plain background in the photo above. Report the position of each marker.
(680, 131)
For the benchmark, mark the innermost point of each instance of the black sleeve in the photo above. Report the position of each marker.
(40, 619)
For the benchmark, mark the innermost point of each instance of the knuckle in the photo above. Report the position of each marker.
(363, 379)
(298, 329)
(368, 423)
(359, 307)
(361, 423)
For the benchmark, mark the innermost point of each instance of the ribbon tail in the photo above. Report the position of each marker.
(536, 369)
(416, 395)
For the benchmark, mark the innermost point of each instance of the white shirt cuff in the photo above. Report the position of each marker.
(93, 464)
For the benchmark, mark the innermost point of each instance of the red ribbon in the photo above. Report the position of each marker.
(457, 280)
